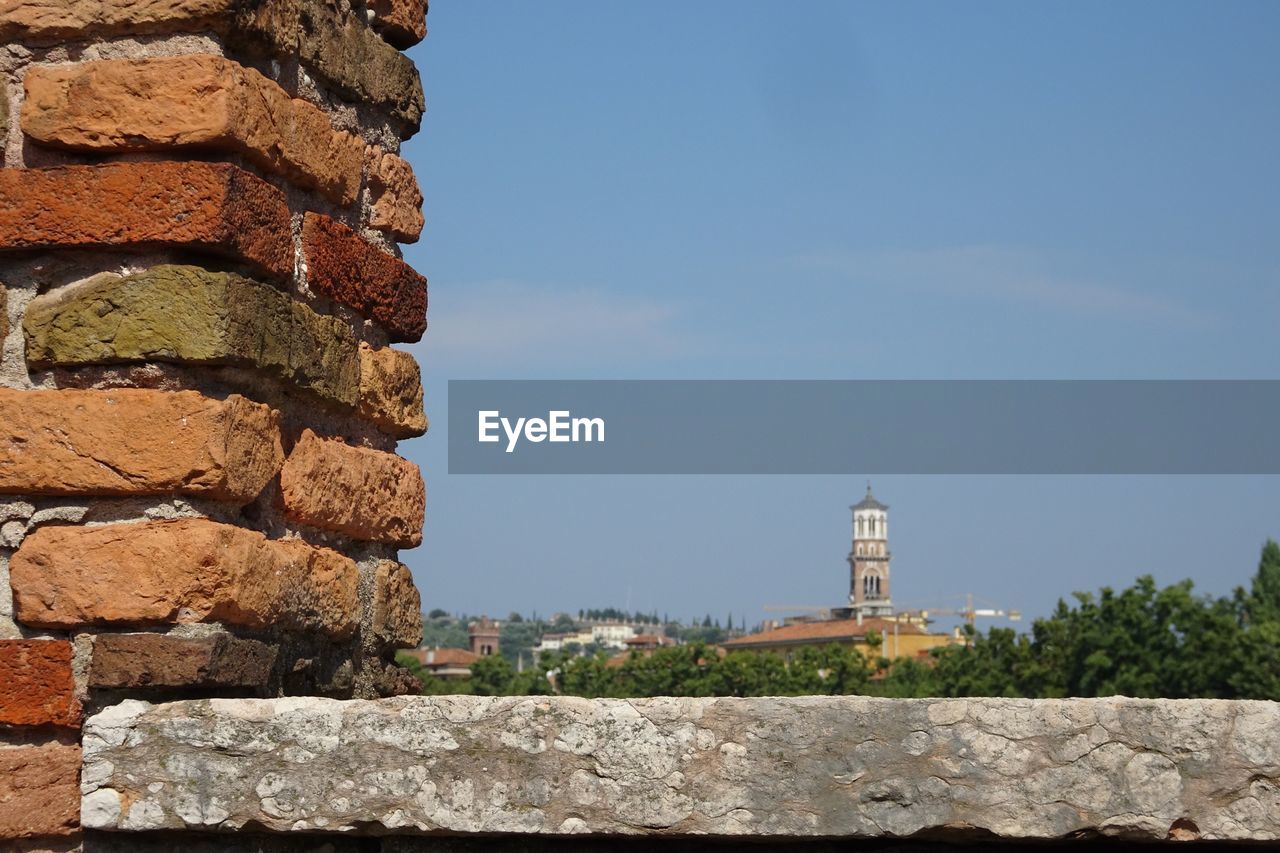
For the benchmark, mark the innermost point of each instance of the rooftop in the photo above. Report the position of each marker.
(869, 502)
(830, 630)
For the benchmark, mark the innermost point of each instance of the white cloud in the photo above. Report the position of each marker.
(517, 324)
(1004, 274)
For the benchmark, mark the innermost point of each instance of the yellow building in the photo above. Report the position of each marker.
(898, 637)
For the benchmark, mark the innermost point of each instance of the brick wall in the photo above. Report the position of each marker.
(200, 400)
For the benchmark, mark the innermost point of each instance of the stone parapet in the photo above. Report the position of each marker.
(812, 767)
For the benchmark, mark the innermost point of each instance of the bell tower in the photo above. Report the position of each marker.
(869, 559)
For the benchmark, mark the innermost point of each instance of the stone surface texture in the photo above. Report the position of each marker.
(159, 660)
(365, 494)
(191, 101)
(401, 22)
(186, 314)
(214, 207)
(397, 199)
(36, 684)
(799, 767)
(188, 570)
(391, 391)
(396, 620)
(136, 442)
(39, 790)
(349, 269)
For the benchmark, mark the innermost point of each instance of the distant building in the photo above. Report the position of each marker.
(643, 644)
(869, 559)
(450, 664)
(606, 634)
(484, 635)
(649, 641)
(898, 637)
(870, 608)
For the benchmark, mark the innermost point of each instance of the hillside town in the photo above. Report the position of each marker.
(866, 622)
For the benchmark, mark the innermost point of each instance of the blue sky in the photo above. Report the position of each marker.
(842, 190)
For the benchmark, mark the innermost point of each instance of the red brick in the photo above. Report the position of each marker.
(214, 207)
(39, 790)
(348, 269)
(36, 687)
(363, 493)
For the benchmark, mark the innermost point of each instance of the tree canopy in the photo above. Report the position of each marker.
(1143, 641)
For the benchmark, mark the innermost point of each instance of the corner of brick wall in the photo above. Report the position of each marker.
(200, 400)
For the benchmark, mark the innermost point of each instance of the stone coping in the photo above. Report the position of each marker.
(807, 767)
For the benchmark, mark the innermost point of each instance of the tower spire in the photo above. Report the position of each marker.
(869, 558)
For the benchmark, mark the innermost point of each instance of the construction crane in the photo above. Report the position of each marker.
(969, 612)
(818, 612)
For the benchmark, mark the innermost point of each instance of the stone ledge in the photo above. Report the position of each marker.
(810, 767)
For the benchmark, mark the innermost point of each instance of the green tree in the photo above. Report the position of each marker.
(491, 676)
(1263, 602)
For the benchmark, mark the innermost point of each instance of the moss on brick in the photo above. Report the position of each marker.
(191, 315)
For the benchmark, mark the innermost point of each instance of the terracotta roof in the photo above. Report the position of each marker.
(444, 657)
(650, 640)
(830, 630)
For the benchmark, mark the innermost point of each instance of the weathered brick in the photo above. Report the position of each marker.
(341, 49)
(363, 493)
(191, 101)
(391, 391)
(161, 661)
(397, 200)
(403, 23)
(396, 617)
(347, 268)
(43, 20)
(190, 315)
(39, 790)
(36, 687)
(4, 120)
(187, 570)
(4, 313)
(136, 442)
(214, 207)
(325, 35)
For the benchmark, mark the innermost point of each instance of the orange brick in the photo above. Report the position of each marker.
(330, 40)
(402, 23)
(39, 790)
(136, 442)
(188, 570)
(397, 200)
(348, 269)
(396, 617)
(366, 494)
(191, 101)
(214, 207)
(391, 391)
(36, 687)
